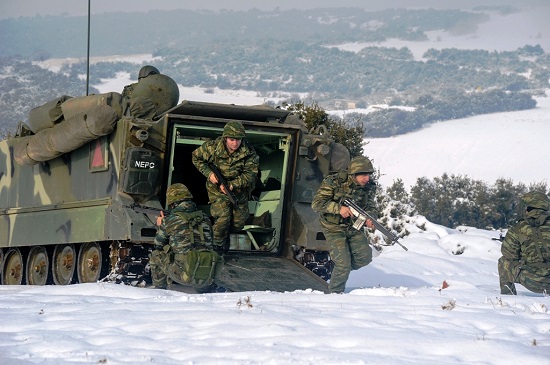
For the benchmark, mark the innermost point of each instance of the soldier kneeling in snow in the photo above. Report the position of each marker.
(526, 248)
(183, 246)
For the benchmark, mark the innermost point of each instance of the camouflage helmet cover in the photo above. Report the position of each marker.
(176, 193)
(537, 200)
(234, 130)
(147, 70)
(360, 164)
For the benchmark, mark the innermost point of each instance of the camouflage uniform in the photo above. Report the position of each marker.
(526, 248)
(350, 249)
(239, 168)
(174, 239)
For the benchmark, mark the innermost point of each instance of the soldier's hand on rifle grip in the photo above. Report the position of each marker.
(369, 224)
(345, 212)
(160, 218)
(213, 179)
(222, 188)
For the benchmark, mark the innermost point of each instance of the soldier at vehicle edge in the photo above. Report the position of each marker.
(349, 248)
(526, 248)
(237, 162)
(183, 246)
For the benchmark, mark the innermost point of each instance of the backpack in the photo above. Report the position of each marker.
(200, 265)
(198, 268)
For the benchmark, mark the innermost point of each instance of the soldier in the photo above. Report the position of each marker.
(183, 245)
(141, 106)
(526, 248)
(143, 73)
(350, 248)
(238, 162)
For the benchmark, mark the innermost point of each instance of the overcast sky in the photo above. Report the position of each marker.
(17, 8)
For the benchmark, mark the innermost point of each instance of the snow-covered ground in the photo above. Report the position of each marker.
(421, 306)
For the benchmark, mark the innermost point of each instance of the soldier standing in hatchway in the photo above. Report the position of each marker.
(349, 248)
(526, 248)
(238, 162)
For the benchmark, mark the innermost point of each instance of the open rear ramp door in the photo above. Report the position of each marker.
(260, 273)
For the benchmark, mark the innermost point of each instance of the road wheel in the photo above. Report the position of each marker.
(63, 264)
(38, 266)
(89, 262)
(12, 274)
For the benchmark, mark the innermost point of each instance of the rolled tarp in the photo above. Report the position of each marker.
(74, 132)
(74, 106)
(47, 115)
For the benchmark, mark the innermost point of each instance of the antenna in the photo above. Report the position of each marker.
(88, 56)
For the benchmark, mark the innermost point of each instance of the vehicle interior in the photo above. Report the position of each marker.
(263, 229)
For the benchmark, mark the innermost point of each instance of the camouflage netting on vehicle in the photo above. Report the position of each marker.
(75, 106)
(47, 115)
(66, 136)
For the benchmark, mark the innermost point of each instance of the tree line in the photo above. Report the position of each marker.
(457, 200)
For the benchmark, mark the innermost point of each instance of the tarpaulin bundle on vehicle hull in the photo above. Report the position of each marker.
(47, 115)
(67, 136)
(73, 106)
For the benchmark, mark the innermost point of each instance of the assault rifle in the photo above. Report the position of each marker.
(223, 182)
(147, 210)
(362, 217)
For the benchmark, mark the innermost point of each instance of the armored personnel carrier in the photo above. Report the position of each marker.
(81, 183)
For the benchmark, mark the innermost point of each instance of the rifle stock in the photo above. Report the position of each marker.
(362, 216)
(223, 182)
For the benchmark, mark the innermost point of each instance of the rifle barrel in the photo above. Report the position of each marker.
(393, 238)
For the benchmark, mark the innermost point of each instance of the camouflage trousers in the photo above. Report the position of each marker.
(534, 277)
(227, 218)
(349, 250)
(168, 267)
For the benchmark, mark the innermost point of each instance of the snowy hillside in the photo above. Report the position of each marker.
(510, 145)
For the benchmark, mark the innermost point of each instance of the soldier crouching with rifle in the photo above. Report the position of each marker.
(350, 249)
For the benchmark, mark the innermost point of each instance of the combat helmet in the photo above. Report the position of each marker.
(537, 200)
(148, 70)
(360, 165)
(176, 193)
(234, 130)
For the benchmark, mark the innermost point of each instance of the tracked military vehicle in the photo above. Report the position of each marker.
(80, 184)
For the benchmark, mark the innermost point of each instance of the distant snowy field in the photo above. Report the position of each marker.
(501, 33)
(513, 145)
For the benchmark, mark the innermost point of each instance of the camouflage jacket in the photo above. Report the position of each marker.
(528, 242)
(239, 168)
(185, 227)
(333, 189)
